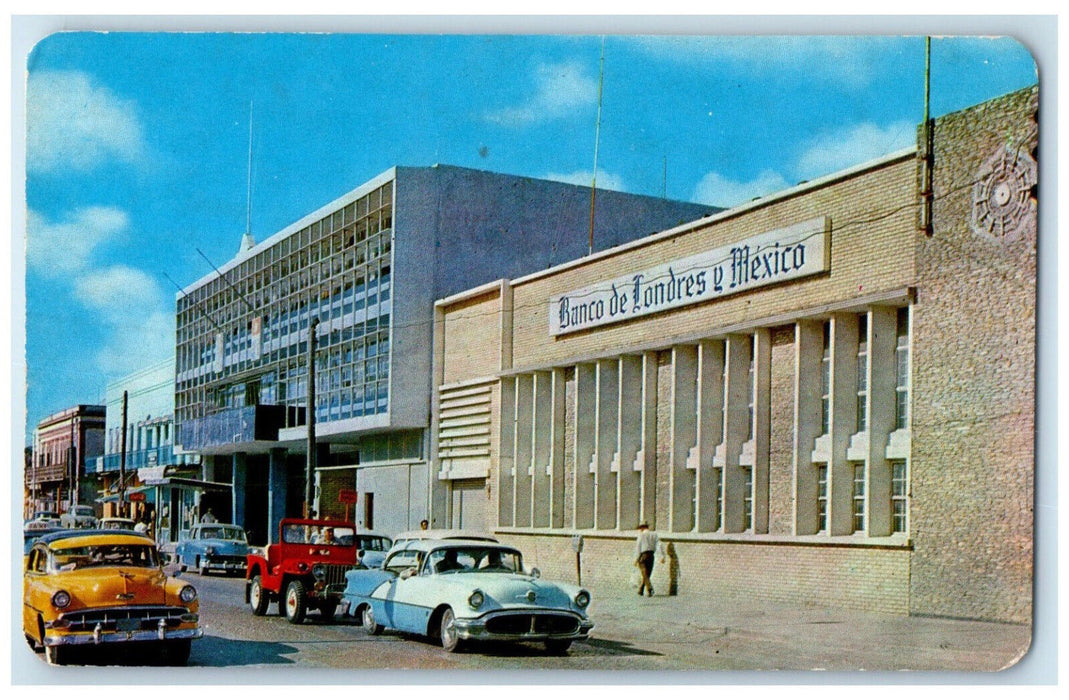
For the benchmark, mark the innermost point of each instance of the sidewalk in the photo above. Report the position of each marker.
(740, 634)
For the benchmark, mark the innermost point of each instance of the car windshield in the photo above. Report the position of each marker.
(311, 534)
(117, 524)
(372, 543)
(70, 558)
(474, 559)
(83, 510)
(222, 532)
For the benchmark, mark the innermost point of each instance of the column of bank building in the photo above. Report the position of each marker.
(368, 266)
(825, 396)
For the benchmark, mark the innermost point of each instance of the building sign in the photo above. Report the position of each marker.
(776, 256)
(257, 338)
(151, 475)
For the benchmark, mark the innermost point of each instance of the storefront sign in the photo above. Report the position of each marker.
(784, 254)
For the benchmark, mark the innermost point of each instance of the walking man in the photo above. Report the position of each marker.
(645, 545)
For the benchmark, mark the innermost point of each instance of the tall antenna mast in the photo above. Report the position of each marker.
(247, 241)
(597, 138)
(248, 189)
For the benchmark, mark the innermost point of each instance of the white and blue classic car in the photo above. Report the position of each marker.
(461, 590)
(212, 546)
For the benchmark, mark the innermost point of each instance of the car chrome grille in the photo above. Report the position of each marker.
(335, 574)
(125, 618)
(532, 623)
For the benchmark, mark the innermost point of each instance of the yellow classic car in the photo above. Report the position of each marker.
(102, 588)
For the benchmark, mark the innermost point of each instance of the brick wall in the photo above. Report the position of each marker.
(873, 579)
(472, 338)
(871, 251)
(974, 384)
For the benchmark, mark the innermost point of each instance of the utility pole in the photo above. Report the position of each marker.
(122, 459)
(310, 462)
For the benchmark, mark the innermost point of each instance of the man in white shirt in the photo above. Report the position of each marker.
(646, 544)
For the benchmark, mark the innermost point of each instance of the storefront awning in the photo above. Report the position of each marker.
(172, 481)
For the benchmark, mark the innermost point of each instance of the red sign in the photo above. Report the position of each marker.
(136, 496)
(347, 496)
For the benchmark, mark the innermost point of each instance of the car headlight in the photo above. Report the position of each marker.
(582, 599)
(61, 599)
(188, 594)
(209, 551)
(476, 599)
(319, 571)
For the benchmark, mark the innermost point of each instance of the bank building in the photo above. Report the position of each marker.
(824, 396)
(368, 267)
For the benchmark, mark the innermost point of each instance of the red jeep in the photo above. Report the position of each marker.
(305, 570)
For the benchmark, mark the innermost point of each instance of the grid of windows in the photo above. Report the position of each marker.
(242, 337)
(899, 497)
(859, 498)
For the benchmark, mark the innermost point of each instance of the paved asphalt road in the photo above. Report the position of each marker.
(663, 634)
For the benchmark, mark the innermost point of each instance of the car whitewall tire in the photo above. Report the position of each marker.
(447, 631)
(368, 622)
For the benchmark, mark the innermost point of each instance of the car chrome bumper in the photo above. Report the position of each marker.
(95, 637)
(476, 630)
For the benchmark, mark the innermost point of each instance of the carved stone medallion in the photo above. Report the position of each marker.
(1002, 206)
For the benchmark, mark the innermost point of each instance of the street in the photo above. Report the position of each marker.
(662, 633)
(234, 637)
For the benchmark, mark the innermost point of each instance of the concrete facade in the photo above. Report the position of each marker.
(859, 435)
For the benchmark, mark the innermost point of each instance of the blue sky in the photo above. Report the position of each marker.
(136, 151)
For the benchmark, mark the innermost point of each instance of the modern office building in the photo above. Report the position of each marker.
(62, 443)
(367, 267)
(160, 480)
(825, 396)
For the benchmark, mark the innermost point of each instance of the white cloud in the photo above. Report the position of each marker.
(72, 123)
(559, 90)
(720, 191)
(606, 181)
(61, 247)
(118, 290)
(136, 344)
(831, 152)
(131, 308)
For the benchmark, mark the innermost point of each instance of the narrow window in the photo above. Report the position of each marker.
(747, 500)
(718, 490)
(862, 375)
(369, 511)
(822, 498)
(825, 383)
(859, 498)
(750, 391)
(902, 371)
(899, 497)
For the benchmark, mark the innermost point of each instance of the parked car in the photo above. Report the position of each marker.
(459, 590)
(212, 546)
(371, 548)
(88, 588)
(45, 516)
(116, 524)
(79, 516)
(409, 536)
(304, 570)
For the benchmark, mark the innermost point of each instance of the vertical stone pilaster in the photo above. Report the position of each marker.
(276, 491)
(585, 427)
(809, 347)
(844, 329)
(524, 450)
(684, 436)
(507, 450)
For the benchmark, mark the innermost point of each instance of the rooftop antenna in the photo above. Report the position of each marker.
(597, 138)
(247, 241)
